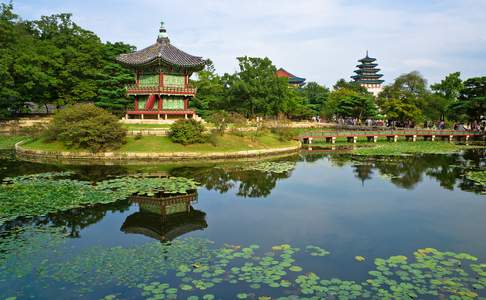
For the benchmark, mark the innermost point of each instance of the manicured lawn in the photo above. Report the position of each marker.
(7, 142)
(390, 148)
(225, 143)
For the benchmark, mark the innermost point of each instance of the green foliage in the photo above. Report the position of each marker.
(86, 126)
(348, 103)
(478, 177)
(404, 100)
(54, 61)
(40, 194)
(350, 85)
(284, 133)
(210, 91)
(220, 120)
(316, 96)
(472, 100)
(187, 132)
(402, 148)
(255, 89)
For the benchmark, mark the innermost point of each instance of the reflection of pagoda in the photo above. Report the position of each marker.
(166, 217)
(367, 75)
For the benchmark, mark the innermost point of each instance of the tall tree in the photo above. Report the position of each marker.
(255, 89)
(471, 105)
(348, 103)
(210, 91)
(316, 96)
(405, 98)
(113, 77)
(446, 93)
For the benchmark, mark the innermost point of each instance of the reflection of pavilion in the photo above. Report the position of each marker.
(165, 218)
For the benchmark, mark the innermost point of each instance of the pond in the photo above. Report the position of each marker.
(309, 226)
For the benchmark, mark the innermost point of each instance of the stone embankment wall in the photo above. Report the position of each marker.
(39, 155)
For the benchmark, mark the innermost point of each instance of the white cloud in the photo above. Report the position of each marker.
(317, 39)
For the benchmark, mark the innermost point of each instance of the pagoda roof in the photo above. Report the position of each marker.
(369, 81)
(164, 52)
(364, 71)
(367, 66)
(367, 59)
(292, 78)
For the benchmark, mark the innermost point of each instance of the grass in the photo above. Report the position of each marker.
(8, 142)
(226, 143)
(399, 148)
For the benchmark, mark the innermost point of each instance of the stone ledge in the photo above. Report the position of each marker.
(28, 154)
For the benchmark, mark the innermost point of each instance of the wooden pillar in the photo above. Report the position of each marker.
(136, 103)
(161, 79)
(141, 116)
(160, 103)
(165, 117)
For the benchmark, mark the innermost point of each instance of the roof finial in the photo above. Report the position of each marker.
(367, 53)
(162, 31)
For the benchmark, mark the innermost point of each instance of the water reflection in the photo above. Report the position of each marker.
(251, 184)
(165, 218)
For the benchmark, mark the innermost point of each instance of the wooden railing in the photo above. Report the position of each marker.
(169, 90)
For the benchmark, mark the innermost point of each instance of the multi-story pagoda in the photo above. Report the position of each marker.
(294, 81)
(367, 75)
(161, 89)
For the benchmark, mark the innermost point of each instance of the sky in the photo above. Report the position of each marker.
(320, 40)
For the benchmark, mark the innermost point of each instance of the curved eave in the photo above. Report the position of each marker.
(367, 66)
(367, 59)
(363, 71)
(195, 68)
(296, 80)
(362, 81)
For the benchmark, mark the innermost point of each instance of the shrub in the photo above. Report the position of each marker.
(284, 133)
(187, 132)
(86, 126)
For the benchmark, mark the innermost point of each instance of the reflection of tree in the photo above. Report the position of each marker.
(407, 171)
(249, 183)
(363, 172)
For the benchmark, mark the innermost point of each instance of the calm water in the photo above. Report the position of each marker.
(370, 207)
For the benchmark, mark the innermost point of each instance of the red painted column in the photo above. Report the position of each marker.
(136, 103)
(161, 79)
(186, 81)
(160, 103)
(186, 103)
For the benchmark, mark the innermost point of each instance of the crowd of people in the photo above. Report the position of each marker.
(438, 125)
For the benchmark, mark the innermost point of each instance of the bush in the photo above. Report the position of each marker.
(187, 132)
(284, 134)
(86, 126)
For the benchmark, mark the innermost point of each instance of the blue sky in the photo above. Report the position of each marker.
(320, 40)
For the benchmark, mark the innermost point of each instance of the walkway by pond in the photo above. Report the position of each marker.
(390, 135)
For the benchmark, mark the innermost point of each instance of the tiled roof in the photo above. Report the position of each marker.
(164, 51)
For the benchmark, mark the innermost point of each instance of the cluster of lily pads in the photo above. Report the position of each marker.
(478, 177)
(40, 194)
(272, 167)
(195, 268)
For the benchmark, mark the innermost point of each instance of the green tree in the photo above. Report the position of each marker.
(210, 91)
(472, 100)
(405, 99)
(315, 97)
(350, 85)
(113, 78)
(255, 89)
(86, 126)
(348, 103)
(446, 93)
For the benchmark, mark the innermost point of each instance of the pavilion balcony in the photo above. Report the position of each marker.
(134, 89)
(155, 111)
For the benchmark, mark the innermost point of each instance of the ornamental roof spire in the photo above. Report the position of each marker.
(162, 32)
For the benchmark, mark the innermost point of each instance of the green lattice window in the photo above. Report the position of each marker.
(174, 80)
(176, 208)
(149, 80)
(141, 102)
(173, 103)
